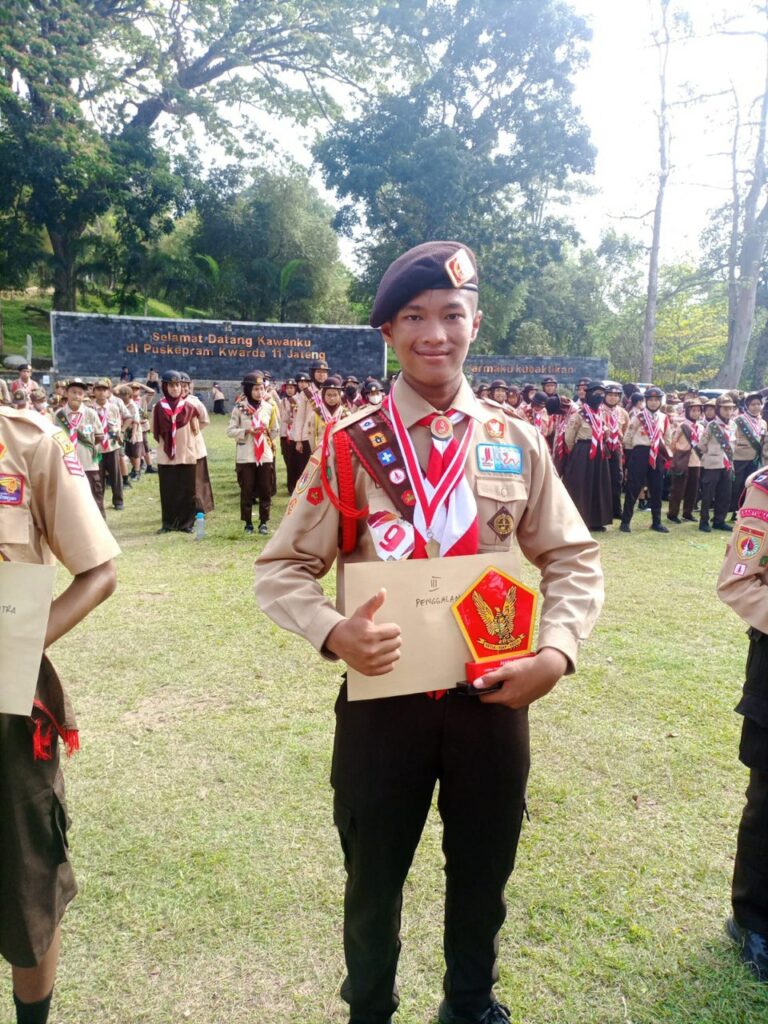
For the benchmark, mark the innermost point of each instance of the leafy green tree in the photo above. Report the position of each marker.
(475, 150)
(82, 82)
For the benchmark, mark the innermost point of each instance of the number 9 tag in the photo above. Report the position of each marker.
(392, 536)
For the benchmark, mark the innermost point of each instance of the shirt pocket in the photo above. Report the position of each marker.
(500, 506)
(15, 525)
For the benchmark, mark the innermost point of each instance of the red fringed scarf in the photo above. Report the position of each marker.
(653, 430)
(596, 425)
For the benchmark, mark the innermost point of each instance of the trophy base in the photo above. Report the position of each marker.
(475, 669)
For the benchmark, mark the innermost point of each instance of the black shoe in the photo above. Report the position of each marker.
(674, 519)
(659, 528)
(733, 518)
(725, 527)
(705, 527)
(495, 1014)
(150, 469)
(753, 948)
(248, 528)
(187, 529)
(126, 482)
(263, 529)
(118, 508)
(690, 519)
(598, 529)
(164, 529)
(133, 475)
(624, 528)
(643, 505)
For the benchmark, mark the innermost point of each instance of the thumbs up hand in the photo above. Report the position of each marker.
(366, 647)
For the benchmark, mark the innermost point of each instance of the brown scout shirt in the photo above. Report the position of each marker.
(744, 573)
(547, 527)
(47, 511)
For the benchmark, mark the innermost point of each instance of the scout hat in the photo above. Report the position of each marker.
(290, 381)
(331, 382)
(184, 377)
(548, 380)
(254, 377)
(301, 376)
(723, 400)
(654, 392)
(552, 405)
(169, 377)
(24, 366)
(105, 382)
(753, 397)
(498, 384)
(371, 384)
(427, 267)
(320, 364)
(593, 385)
(711, 403)
(540, 398)
(76, 382)
(614, 389)
(351, 380)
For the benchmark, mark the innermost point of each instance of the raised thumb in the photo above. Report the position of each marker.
(369, 608)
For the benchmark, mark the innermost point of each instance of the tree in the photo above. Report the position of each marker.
(82, 79)
(476, 150)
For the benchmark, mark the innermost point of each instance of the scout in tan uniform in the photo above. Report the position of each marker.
(310, 403)
(616, 422)
(390, 753)
(83, 427)
(289, 404)
(174, 424)
(255, 425)
(743, 585)
(587, 477)
(749, 432)
(686, 464)
(25, 382)
(203, 488)
(716, 451)
(646, 442)
(112, 415)
(46, 512)
(331, 410)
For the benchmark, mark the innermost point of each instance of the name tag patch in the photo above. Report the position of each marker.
(11, 489)
(500, 458)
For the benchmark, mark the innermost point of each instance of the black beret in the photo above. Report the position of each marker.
(432, 265)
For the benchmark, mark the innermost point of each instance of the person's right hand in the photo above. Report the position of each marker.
(299, 447)
(369, 649)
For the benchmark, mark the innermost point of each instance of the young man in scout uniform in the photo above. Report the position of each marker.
(46, 512)
(83, 427)
(113, 416)
(743, 585)
(366, 486)
(646, 442)
(716, 450)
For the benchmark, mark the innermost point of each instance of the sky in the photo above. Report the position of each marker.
(619, 97)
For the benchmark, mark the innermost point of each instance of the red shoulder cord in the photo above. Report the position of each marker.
(345, 502)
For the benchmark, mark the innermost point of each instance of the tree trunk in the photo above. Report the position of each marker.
(662, 41)
(64, 245)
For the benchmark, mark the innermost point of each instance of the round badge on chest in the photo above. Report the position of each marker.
(441, 428)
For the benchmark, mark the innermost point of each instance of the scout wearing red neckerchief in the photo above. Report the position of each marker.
(432, 473)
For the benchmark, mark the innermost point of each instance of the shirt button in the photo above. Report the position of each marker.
(504, 492)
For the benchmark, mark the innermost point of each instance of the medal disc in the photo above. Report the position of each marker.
(441, 428)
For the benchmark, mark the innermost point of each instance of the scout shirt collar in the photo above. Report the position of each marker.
(412, 407)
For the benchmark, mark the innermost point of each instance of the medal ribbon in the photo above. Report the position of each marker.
(445, 506)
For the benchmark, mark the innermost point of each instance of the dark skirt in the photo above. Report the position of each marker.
(203, 489)
(588, 481)
(178, 503)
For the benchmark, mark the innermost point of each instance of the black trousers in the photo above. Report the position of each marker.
(255, 485)
(616, 470)
(685, 489)
(388, 756)
(749, 893)
(641, 474)
(97, 488)
(294, 462)
(715, 494)
(741, 470)
(111, 472)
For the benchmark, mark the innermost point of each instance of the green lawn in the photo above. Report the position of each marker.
(210, 871)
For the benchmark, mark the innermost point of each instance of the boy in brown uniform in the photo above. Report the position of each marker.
(389, 753)
(743, 585)
(46, 512)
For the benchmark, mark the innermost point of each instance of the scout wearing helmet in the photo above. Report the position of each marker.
(647, 444)
(748, 440)
(686, 463)
(361, 499)
(716, 446)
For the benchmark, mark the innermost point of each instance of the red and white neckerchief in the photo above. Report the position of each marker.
(165, 405)
(445, 509)
(74, 419)
(695, 432)
(537, 419)
(322, 409)
(558, 448)
(258, 432)
(653, 430)
(595, 422)
(614, 430)
(102, 411)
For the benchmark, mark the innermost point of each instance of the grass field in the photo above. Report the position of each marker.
(210, 872)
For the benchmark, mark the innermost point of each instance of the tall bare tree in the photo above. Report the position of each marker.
(749, 234)
(662, 41)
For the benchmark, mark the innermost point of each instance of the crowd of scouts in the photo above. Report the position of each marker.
(616, 448)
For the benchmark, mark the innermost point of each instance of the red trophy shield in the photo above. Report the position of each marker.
(496, 616)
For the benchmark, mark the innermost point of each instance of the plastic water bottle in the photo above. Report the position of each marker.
(199, 525)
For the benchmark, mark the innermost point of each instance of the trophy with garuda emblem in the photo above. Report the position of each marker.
(496, 616)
